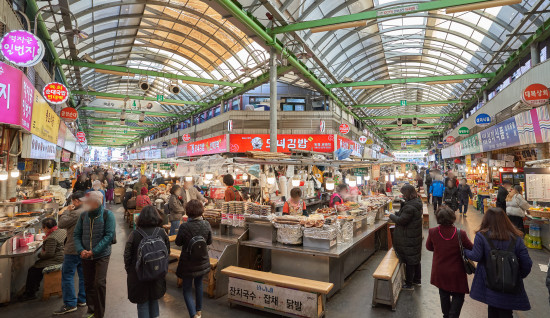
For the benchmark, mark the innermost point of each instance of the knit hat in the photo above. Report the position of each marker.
(144, 191)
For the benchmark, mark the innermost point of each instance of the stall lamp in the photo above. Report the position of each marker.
(3, 175)
(329, 184)
(234, 176)
(367, 178)
(515, 170)
(188, 178)
(206, 181)
(209, 175)
(296, 181)
(409, 175)
(245, 177)
(172, 173)
(501, 170)
(387, 178)
(359, 180)
(392, 177)
(14, 173)
(494, 168)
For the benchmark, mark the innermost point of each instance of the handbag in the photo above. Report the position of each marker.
(469, 266)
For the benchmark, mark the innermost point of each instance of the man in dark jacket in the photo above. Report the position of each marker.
(464, 196)
(428, 184)
(503, 193)
(407, 237)
(548, 280)
(93, 236)
(72, 262)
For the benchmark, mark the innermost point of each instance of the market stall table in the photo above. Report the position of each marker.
(14, 265)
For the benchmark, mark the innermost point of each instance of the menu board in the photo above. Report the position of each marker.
(45, 122)
(538, 187)
(35, 147)
(501, 135)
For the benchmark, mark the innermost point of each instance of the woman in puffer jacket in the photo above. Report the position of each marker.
(516, 206)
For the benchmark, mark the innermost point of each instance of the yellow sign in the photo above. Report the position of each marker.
(369, 141)
(143, 168)
(44, 122)
(469, 161)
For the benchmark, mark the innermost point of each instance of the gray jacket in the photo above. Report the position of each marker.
(194, 194)
(517, 206)
(176, 208)
(67, 221)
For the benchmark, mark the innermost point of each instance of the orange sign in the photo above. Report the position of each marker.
(69, 114)
(55, 93)
(535, 95)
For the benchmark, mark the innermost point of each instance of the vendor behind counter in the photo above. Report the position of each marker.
(295, 206)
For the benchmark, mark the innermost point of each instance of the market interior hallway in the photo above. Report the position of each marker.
(353, 301)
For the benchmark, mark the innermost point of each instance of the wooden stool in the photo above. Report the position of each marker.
(425, 217)
(210, 279)
(388, 280)
(52, 281)
(176, 254)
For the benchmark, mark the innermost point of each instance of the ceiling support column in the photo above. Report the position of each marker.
(273, 100)
(535, 54)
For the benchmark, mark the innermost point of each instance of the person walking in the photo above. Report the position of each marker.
(51, 254)
(498, 233)
(193, 236)
(464, 196)
(145, 293)
(94, 234)
(502, 194)
(82, 183)
(450, 195)
(71, 263)
(436, 189)
(428, 182)
(448, 272)
(516, 207)
(407, 237)
(175, 206)
(110, 189)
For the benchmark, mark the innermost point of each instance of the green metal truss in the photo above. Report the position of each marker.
(406, 125)
(117, 119)
(413, 80)
(121, 127)
(116, 110)
(147, 73)
(409, 103)
(109, 131)
(372, 14)
(175, 102)
(407, 116)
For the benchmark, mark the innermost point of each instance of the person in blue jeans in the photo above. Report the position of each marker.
(68, 217)
(192, 267)
(437, 189)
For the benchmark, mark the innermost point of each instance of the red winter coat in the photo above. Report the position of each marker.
(447, 267)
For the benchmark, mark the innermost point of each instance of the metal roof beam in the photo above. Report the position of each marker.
(374, 14)
(119, 127)
(118, 119)
(425, 103)
(406, 125)
(405, 80)
(182, 103)
(407, 116)
(116, 110)
(130, 70)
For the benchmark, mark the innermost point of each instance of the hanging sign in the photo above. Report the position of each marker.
(69, 114)
(344, 129)
(464, 131)
(81, 136)
(186, 138)
(45, 122)
(483, 119)
(450, 139)
(363, 139)
(411, 142)
(35, 147)
(535, 95)
(16, 97)
(174, 141)
(55, 93)
(230, 125)
(403, 145)
(164, 144)
(439, 145)
(369, 141)
(22, 48)
(208, 146)
(322, 126)
(396, 10)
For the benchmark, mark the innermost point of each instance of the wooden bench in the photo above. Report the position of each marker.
(279, 294)
(52, 282)
(425, 217)
(388, 280)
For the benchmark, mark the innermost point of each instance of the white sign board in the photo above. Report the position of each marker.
(538, 187)
(290, 301)
(35, 147)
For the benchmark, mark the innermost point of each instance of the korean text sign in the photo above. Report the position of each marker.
(285, 142)
(55, 93)
(45, 122)
(22, 48)
(502, 135)
(16, 97)
(208, 146)
(349, 144)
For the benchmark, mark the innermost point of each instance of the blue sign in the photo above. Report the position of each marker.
(483, 119)
(501, 135)
(418, 141)
(411, 141)
(164, 144)
(439, 145)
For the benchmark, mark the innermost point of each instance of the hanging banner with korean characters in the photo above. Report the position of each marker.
(501, 135)
(55, 93)
(16, 97)
(22, 48)
(68, 114)
(285, 142)
(285, 300)
(543, 120)
(345, 143)
(471, 145)
(208, 146)
(45, 122)
(527, 124)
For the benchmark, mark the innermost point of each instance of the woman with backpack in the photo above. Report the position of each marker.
(448, 273)
(142, 290)
(175, 206)
(193, 236)
(450, 195)
(498, 243)
(516, 206)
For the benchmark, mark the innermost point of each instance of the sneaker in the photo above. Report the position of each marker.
(417, 284)
(199, 314)
(88, 315)
(27, 297)
(82, 304)
(407, 287)
(64, 310)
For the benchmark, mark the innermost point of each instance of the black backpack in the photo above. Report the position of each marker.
(502, 268)
(152, 258)
(197, 249)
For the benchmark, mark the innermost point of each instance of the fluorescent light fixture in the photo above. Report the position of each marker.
(445, 82)
(368, 86)
(97, 70)
(197, 83)
(209, 175)
(188, 178)
(296, 181)
(481, 5)
(345, 25)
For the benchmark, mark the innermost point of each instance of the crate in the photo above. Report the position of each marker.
(539, 214)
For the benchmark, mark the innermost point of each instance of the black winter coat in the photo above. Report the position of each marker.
(501, 198)
(140, 292)
(450, 197)
(186, 266)
(464, 193)
(407, 237)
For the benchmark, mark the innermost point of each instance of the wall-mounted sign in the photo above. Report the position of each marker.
(363, 139)
(344, 129)
(483, 119)
(535, 95)
(22, 48)
(164, 144)
(81, 136)
(186, 138)
(55, 93)
(369, 141)
(322, 126)
(65, 156)
(464, 131)
(68, 114)
(397, 10)
(16, 97)
(230, 125)
(285, 142)
(450, 139)
(174, 141)
(344, 143)
(35, 147)
(45, 122)
(171, 152)
(501, 135)
(403, 145)
(376, 147)
(207, 146)
(439, 145)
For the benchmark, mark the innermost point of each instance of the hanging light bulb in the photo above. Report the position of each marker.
(410, 175)
(245, 177)
(359, 180)
(271, 176)
(14, 173)
(329, 184)
(296, 180)
(206, 181)
(494, 168)
(3, 175)
(188, 178)
(367, 178)
(501, 170)
(515, 170)
(352, 182)
(392, 177)
(209, 175)
(387, 178)
(172, 173)
(234, 176)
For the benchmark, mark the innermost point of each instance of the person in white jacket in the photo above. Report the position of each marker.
(516, 206)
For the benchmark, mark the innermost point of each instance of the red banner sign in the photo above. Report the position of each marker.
(344, 129)
(81, 137)
(348, 144)
(450, 139)
(186, 138)
(68, 114)
(207, 146)
(55, 93)
(363, 139)
(285, 142)
(174, 141)
(535, 95)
